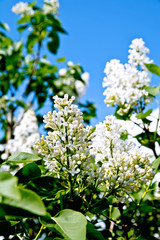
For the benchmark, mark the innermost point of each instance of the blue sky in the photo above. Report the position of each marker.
(98, 31)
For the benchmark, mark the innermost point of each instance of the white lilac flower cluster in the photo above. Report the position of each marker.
(50, 6)
(22, 8)
(126, 82)
(67, 77)
(66, 148)
(25, 134)
(126, 166)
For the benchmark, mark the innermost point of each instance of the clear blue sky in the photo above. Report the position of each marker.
(100, 30)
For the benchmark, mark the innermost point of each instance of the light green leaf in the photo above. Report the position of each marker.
(156, 163)
(8, 186)
(70, 224)
(23, 157)
(30, 201)
(32, 4)
(24, 19)
(144, 115)
(152, 90)
(153, 68)
(62, 59)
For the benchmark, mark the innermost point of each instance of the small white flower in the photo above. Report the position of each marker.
(50, 6)
(23, 9)
(25, 134)
(126, 166)
(85, 77)
(62, 72)
(126, 82)
(80, 87)
(70, 64)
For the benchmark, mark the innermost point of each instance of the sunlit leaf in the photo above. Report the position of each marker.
(8, 186)
(29, 201)
(22, 157)
(153, 68)
(144, 115)
(70, 224)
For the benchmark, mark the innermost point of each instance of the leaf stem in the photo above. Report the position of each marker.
(42, 227)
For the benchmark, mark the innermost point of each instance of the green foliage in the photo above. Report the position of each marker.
(8, 186)
(28, 173)
(156, 163)
(13, 198)
(69, 224)
(30, 196)
(153, 68)
(144, 115)
(23, 157)
(29, 201)
(153, 91)
(92, 233)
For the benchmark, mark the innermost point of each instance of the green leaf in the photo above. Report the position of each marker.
(146, 209)
(24, 19)
(93, 129)
(156, 163)
(153, 91)
(23, 157)
(125, 116)
(45, 186)
(115, 213)
(32, 4)
(8, 186)
(147, 139)
(5, 26)
(31, 41)
(124, 135)
(30, 202)
(153, 68)
(62, 59)
(22, 28)
(28, 172)
(92, 233)
(54, 44)
(144, 115)
(2, 212)
(70, 224)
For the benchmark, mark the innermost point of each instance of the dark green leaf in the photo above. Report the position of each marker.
(38, 18)
(5, 26)
(28, 172)
(124, 135)
(124, 116)
(92, 233)
(153, 68)
(22, 28)
(147, 139)
(54, 44)
(23, 157)
(31, 41)
(45, 186)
